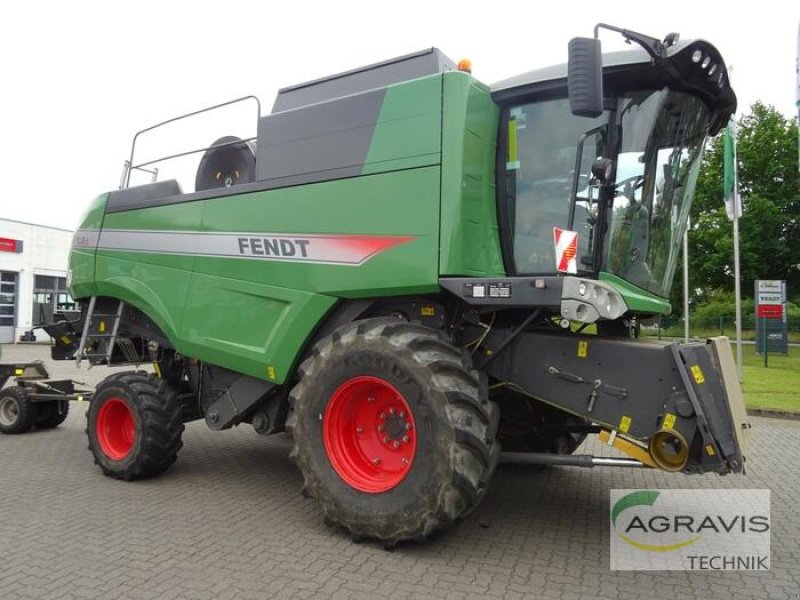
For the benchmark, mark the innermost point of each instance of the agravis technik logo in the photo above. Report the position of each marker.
(690, 529)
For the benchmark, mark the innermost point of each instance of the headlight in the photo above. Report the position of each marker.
(586, 300)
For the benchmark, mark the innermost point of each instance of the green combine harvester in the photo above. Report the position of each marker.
(407, 268)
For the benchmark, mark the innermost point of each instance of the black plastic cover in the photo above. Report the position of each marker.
(378, 75)
(141, 196)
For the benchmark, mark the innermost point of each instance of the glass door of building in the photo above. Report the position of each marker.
(8, 306)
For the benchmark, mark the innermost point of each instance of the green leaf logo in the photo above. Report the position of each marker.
(643, 498)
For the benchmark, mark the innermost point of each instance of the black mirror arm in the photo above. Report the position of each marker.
(654, 47)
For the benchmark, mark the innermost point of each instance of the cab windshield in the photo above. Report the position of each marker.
(632, 226)
(662, 134)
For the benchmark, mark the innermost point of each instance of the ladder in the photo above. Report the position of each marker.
(97, 342)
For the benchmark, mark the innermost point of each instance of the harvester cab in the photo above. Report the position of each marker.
(611, 156)
(405, 268)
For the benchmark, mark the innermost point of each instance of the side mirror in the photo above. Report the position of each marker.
(585, 77)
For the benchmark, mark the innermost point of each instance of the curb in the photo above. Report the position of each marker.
(773, 414)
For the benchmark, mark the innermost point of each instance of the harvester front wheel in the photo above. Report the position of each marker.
(391, 431)
(134, 429)
(17, 412)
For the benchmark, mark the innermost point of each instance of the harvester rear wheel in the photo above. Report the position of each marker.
(134, 429)
(391, 431)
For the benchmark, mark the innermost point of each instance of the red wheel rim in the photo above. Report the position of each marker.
(369, 434)
(116, 429)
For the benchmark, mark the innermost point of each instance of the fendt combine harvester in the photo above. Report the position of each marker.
(406, 269)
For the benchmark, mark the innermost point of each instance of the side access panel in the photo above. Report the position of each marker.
(252, 328)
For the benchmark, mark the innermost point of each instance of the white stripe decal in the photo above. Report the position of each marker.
(306, 248)
(566, 244)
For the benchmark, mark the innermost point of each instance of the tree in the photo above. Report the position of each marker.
(770, 223)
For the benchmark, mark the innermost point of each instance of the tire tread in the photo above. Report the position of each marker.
(474, 453)
(163, 427)
(26, 416)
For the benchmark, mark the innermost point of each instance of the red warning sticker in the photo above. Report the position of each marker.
(566, 243)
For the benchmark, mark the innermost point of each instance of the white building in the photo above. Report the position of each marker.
(33, 272)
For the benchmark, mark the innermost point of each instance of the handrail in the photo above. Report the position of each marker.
(188, 152)
(130, 164)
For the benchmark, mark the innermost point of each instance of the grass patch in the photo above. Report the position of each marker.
(776, 386)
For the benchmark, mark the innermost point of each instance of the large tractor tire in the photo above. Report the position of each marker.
(51, 414)
(392, 433)
(17, 412)
(134, 426)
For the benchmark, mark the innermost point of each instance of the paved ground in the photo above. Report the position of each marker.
(227, 521)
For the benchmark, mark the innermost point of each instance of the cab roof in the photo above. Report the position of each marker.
(633, 56)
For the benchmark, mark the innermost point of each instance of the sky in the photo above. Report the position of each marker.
(79, 78)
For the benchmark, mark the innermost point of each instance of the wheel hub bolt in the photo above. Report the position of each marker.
(395, 445)
(381, 428)
(371, 399)
(404, 460)
(359, 429)
(402, 414)
(408, 426)
(385, 440)
(391, 411)
(376, 461)
(405, 439)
